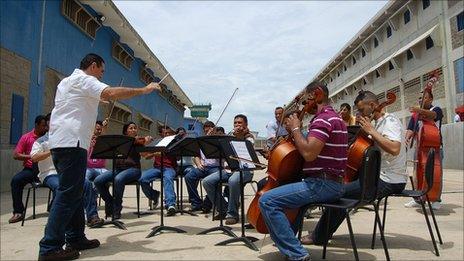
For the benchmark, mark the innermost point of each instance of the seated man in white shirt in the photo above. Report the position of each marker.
(40, 153)
(275, 127)
(210, 182)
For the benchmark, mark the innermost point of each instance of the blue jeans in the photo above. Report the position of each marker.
(294, 195)
(66, 221)
(89, 196)
(353, 191)
(192, 178)
(168, 184)
(211, 183)
(120, 180)
(18, 182)
(92, 173)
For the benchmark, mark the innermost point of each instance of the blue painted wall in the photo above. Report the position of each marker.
(64, 45)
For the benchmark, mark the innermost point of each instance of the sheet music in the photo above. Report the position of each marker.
(241, 150)
(166, 141)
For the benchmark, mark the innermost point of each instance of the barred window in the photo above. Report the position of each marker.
(77, 14)
(121, 55)
(145, 76)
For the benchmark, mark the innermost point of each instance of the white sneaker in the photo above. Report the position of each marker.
(412, 204)
(436, 205)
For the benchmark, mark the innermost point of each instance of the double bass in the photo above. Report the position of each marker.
(427, 137)
(284, 166)
(362, 143)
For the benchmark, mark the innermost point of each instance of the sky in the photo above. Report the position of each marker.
(268, 50)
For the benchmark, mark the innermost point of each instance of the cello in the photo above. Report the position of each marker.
(362, 143)
(284, 166)
(428, 137)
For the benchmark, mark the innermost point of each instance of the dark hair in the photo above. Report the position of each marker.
(89, 59)
(346, 105)
(314, 85)
(245, 119)
(39, 119)
(279, 108)
(365, 96)
(220, 129)
(48, 116)
(126, 126)
(180, 129)
(99, 123)
(208, 124)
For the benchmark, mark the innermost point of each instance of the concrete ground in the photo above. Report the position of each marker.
(406, 233)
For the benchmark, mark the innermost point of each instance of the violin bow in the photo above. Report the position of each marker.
(225, 107)
(112, 103)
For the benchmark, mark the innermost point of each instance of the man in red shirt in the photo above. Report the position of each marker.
(29, 172)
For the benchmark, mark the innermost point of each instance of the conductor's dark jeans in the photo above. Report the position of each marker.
(66, 221)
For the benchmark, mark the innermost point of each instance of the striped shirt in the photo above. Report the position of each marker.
(328, 127)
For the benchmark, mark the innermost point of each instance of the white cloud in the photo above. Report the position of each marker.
(269, 50)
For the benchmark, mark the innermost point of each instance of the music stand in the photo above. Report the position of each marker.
(113, 147)
(212, 148)
(236, 165)
(154, 147)
(186, 147)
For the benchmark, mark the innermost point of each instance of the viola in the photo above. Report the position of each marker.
(362, 143)
(284, 166)
(428, 137)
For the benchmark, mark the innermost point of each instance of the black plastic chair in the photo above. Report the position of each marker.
(33, 186)
(368, 177)
(418, 195)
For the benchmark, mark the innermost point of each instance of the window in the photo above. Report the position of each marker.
(77, 14)
(121, 55)
(407, 16)
(389, 31)
(16, 124)
(354, 60)
(460, 21)
(145, 76)
(459, 72)
(376, 42)
(409, 55)
(145, 123)
(390, 66)
(428, 42)
(363, 53)
(425, 4)
(377, 74)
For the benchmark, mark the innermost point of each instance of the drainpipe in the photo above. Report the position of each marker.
(39, 63)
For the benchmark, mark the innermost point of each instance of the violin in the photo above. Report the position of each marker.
(284, 166)
(362, 143)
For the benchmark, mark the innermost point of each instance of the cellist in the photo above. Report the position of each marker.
(387, 134)
(431, 113)
(324, 151)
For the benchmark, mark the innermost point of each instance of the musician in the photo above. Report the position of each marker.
(211, 182)
(127, 171)
(432, 113)
(169, 173)
(345, 113)
(40, 154)
(275, 127)
(201, 169)
(29, 173)
(387, 133)
(325, 151)
(75, 112)
(96, 167)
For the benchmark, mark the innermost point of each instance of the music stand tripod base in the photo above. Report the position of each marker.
(116, 223)
(247, 240)
(159, 229)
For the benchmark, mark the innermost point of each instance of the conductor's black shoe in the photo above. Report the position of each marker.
(60, 254)
(84, 244)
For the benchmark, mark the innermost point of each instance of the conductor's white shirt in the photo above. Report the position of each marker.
(76, 106)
